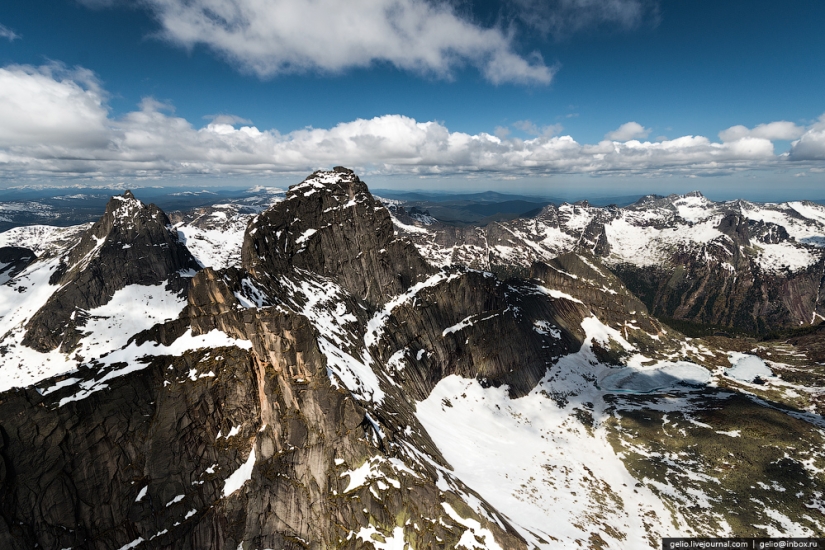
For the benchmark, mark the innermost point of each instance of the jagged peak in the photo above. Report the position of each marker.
(126, 207)
(127, 199)
(330, 224)
(336, 179)
(131, 244)
(693, 197)
(647, 199)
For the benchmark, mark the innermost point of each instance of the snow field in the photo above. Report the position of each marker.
(215, 248)
(131, 310)
(554, 477)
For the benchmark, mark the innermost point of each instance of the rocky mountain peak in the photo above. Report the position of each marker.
(132, 243)
(124, 207)
(331, 224)
(735, 226)
(647, 200)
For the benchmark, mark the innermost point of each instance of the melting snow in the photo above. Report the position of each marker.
(747, 367)
(535, 463)
(557, 294)
(552, 476)
(241, 475)
(776, 257)
(394, 542)
(132, 544)
(406, 227)
(131, 353)
(474, 533)
(131, 310)
(305, 236)
(663, 375)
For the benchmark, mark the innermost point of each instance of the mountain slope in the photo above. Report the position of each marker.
(752, 267)
(336, 390)
(132, 244)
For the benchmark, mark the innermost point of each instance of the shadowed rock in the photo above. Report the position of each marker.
(13, 260)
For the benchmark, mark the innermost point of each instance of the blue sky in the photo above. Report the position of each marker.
(605, 97)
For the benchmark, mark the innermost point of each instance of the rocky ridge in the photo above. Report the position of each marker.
(750, 267)
(336, 390)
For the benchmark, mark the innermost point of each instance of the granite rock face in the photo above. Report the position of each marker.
(331, 225)
(131, 244)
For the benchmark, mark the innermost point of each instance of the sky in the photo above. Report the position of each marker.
(547, 97)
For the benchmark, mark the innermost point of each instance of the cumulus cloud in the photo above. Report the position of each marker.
(227, 119)
(51, 105)
(8, 34)
(270, 37)
(780, 130)
(811, 145)
(628, 131)
(56, 123)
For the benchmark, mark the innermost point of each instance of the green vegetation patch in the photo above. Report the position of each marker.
(723, 462)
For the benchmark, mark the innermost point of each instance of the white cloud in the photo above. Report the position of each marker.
(780, 130)
(628, 131)
(56, 123)
(227, 119)
(269, 37)
(51, 107)
(7, 33)
(811, 145)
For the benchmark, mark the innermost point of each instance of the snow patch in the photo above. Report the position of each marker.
(662, 376)
(240, 476)
(747, 367)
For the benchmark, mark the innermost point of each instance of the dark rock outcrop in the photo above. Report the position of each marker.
(331, 225)
(132, 244)
(13, 260)
(120, 454)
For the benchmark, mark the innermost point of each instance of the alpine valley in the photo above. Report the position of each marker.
(321, 368)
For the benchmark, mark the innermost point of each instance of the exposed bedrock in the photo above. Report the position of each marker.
(131, 244)
(331, 225)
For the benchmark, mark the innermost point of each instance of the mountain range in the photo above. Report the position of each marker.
(320, 368)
